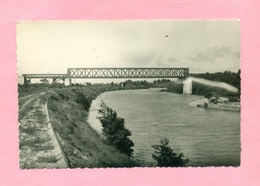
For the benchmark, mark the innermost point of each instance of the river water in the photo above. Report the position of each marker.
(207, 137)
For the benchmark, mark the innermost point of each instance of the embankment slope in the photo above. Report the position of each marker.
(81, 144)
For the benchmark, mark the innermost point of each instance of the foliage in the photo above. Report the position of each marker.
(160, 83)
(56, 85)
(44, 81)
(234, 99)
(27, 89)
(129, 84)
(208, 95)
(208, 91)
(175, 87)
(165, 156)
(114, 130)
(82, 145)
(82, 99)
(231, 78)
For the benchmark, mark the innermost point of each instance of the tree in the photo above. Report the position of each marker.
(165, 156)
(82, 99)
(114, 130)
(44, 81)
(128, 82)
(175, 87)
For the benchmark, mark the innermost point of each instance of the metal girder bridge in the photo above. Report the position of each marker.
(73, 73)
(127, 72)
(40, 76)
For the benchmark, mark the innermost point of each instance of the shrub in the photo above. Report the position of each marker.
(114, 130)
(165, 156)
(81, 99)
(175, 87)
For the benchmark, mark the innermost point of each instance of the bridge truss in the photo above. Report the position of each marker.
(127, 72)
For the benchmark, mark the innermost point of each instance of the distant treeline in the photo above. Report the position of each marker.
(27, 89)
(232, 78)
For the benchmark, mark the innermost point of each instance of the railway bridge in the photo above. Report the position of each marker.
(74, 73)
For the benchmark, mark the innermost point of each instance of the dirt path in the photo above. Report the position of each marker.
(39, 147)
(31, 95)
(30, 98)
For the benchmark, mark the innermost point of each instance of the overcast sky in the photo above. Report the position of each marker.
(203, 46)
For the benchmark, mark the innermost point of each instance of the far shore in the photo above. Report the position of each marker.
(200, 102)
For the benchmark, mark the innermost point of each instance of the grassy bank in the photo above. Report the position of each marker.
(82, 145)
(25, 90)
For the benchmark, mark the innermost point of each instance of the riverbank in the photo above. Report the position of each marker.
(203, 102)
(81, 144)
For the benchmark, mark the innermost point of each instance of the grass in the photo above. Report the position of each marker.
(28, 165)
(22, 101)
(27, 108)
(47, 159)
(30, 106)
(29, 130)
(81, 144)
(25, 90)
(43, 148)
(32, 142)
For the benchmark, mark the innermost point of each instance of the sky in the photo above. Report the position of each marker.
(201, 45)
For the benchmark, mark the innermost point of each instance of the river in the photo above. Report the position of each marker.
(207, 137)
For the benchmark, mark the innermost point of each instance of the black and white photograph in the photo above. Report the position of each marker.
(126, 94)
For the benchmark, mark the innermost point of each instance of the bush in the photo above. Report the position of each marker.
(175, 87)
(114, 130)
(165, 156)
(208, 91)
(82, 99)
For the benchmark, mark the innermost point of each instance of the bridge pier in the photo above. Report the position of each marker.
(187, 86)
(26, 81)
(67, 81)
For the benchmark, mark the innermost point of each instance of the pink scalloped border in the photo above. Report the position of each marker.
(12, 11)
